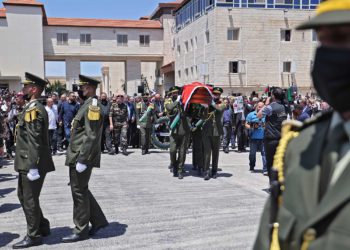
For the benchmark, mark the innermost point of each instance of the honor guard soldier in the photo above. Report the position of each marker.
(33, 160)
(84, 153)
(180, 131)
(212, 132)
(309, 207)
(145, 114)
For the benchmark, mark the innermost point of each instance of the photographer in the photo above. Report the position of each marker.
(275, 112)
(256, 134)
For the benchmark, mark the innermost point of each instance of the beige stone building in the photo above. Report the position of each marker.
(244, 45)
(240, 45)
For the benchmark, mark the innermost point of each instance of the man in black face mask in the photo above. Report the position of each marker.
(309, 206)
(106, 142)
(180, 131)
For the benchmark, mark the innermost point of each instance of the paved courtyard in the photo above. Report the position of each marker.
(147, 208)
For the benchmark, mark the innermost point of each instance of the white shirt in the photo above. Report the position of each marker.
(53, 117)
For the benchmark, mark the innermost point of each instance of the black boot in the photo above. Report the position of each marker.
(116, 150)
(28, 242)
(199, 172)
(143, 151)
(124, 151)
(180, 176)
(207, 176)
(214, 174)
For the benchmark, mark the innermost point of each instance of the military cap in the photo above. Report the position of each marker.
(35, 80)
(174, 89)
(83, 80)
(329, 13)
(218, 90)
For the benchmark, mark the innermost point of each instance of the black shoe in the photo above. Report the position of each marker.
(207, 176)
(251, 169)
(214, 175)
(180, 176)
(74, 238)
(116, 150)
(93, 230)
(143, 152)
(28, 242)
(147, 151)
(226, 150)
(124, 152)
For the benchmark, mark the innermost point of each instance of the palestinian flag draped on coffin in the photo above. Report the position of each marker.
(196, 93)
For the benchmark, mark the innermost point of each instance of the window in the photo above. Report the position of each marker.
(284, 1)
(256, 1)
(233, 67)
(179, 74)
(62, 38)
(287, 67)
(85, 39)
(314, 36)
(233, 34)
(192, 74)
(191, 48)
(144, 40)
(286, 35)
(195, 42)
(207, 37)
(186, 73)
(122, 40)
(178, 50)
(186, 46)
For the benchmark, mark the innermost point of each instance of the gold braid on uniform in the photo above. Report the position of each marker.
(287, 134)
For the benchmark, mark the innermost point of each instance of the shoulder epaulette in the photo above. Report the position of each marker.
(94, 113)
(31, 113)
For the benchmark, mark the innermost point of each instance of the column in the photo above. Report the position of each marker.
(72, 72)
(133, 75)
(105, 80)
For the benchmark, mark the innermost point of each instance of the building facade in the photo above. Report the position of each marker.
(240, 45)
(244, 45)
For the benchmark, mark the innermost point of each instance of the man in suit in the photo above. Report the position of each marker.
(313, 160)
(131, 121)
(84, 153)
(212, 132)
(33, 160)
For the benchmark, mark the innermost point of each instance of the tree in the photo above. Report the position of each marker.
(57, 87)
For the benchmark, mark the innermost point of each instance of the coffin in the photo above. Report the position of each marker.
(196, 93)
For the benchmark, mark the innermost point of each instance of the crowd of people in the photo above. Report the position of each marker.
(128, 121)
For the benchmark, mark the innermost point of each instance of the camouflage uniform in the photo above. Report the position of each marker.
(119, 114)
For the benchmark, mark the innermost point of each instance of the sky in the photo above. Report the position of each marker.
(111, 9)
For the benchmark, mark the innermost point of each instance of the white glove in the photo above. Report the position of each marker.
(80, 167)
(178, 99)
(213, 104)
(138, 126)
(33, 174)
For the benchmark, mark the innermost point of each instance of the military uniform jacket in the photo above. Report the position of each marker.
(32, 140)
(301, 213)
(141, 109)
(119, 113)
(86, 134)
(213, 125)
(173, 109)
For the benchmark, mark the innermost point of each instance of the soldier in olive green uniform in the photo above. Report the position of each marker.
(33, 160)
(309, 207)
(180, 130)
(144, 116)
(118, 120)
(212, 132)
(84, 153)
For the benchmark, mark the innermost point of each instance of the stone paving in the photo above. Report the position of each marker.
(147, 208)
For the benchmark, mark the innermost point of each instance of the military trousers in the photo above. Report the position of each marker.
(28, 193)
(178, 148)
(145, 137)
(85, 207)
(211, 146)
(120, 135)
(197, 149)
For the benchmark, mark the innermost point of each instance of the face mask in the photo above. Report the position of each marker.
(331, 77)
(145, 99)
(26, 97)
(174, 97)
(81, 95)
